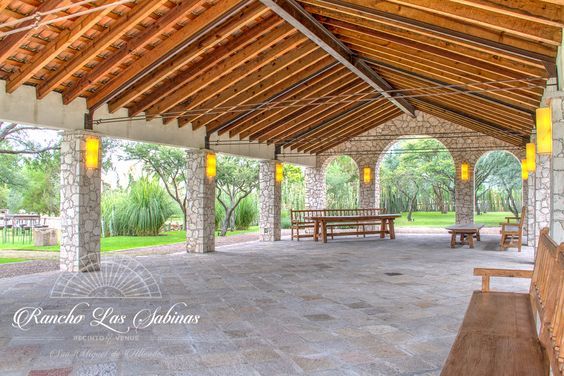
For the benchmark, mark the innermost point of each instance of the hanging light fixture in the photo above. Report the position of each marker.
(524, 169)
(544, 130)
(211, 165)
(92, 152)
(367, 175)
(279, 175)
(531, 157)
(464, 171)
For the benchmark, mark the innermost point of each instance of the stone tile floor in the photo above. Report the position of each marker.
(348, 307)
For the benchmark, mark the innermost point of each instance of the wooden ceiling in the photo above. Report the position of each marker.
(306, 75)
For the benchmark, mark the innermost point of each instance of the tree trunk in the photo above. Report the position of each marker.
(227, 221)
(411, 207)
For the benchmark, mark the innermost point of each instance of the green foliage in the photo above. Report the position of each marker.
(219, 214)
(342, 181)
(42, 191)
(293, 189)
(246, 213)
(141, 211)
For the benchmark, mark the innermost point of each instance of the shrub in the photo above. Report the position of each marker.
(219, 214)
(285, 219)
(246, 213)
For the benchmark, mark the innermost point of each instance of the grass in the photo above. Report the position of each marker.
(116, 243)
(8, 260)
(434, 219)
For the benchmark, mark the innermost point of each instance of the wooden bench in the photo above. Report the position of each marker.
(514, 334)
(301, 223)
(467, 233)
(512, 231)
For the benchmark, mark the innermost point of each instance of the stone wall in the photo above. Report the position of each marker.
(200, 210)
(80, 205)
(315, 194)
(270, 202)
(542, 194)
(370, 148)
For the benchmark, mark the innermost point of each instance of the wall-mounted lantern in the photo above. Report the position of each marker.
(211, 165)
(524, 169)
(279, 174)
(464, 171)
(367, 175)
(531, 157)
(544, 130)
(92, 152)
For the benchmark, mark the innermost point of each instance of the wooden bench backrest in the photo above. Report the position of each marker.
(547, 298)
(299, 216)
(523, 217)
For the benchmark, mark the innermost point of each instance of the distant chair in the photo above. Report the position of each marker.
(512, 231)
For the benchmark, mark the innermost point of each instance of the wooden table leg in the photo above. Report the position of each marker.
(471, 240)
(452, 239)
(316, 230)
(391, 228)
(324, 231)
(383, 229)
(478, 235)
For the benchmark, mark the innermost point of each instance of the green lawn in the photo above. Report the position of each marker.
(434, 219)
(116, 243)
(7, 260)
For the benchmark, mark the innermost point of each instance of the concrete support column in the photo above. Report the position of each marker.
(270, 201)
(557, 202)
(80, 204)
(367, 191)
(200, 213)
(464, 195)
(315, 188)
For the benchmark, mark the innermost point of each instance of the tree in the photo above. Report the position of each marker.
(14, 139)
(236, 179)
(166, 163)
(42, 194)
(342, 183)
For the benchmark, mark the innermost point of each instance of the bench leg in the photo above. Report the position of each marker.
(471, 240)
(478, 236)
(391, 228)
(316, 231)
(324, 231)
(453, 239)
(383, 229)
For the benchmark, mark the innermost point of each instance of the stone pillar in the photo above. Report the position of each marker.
(200, 210)
(542, 195)
(530, 203)
(270, 201)
(367, 191)
(464, 195)
(314, 188)
(557, 202)
(80, 205)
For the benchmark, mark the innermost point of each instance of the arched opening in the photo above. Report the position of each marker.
(416, 177)
(342, 182)
(498, 187)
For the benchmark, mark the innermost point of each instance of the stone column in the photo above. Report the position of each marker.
(464, 195)
(314, 188)
(200, 210)
(80, 205)
(367, 191)
(542, 195)
(270, 201)
(557, 201)
(530, 203)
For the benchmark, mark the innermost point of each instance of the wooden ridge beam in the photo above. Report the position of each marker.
(295, 15)
(56, 46)
(4, 4)
(168, 49)
(141, 11)
(413, 24)
(13, 41)
(135, 43)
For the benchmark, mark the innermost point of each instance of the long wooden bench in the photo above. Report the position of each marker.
(513, 334)
(301, 223)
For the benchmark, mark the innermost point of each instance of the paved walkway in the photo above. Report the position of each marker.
(349, 307)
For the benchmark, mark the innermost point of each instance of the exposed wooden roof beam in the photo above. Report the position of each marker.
(295, 15)
(4, 4)
(212, 17)
(13, 41)
(455, 35)
(141, 11)
(127, 48)
(56, 46)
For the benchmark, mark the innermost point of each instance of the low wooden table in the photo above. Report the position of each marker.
(467, 233)
(386, 226)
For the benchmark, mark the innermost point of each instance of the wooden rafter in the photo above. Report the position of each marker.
(294, 14)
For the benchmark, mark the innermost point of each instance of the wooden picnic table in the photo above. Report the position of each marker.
(321, 222)
(467, 232)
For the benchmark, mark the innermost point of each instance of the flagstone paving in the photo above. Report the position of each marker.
(348, 307)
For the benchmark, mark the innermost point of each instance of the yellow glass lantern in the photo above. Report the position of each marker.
(524, 169)
(367, 175)
(211, 165)
(464, 171)
(92, 152)
(279, 175)
(531, 157)
(544, 131)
